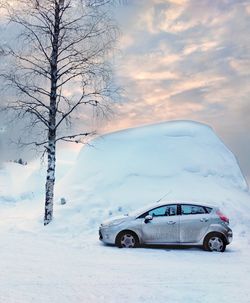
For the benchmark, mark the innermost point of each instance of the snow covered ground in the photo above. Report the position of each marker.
(41, 267)
(65, 262)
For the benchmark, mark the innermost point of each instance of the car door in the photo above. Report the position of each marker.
(194, 222)
(164, 226)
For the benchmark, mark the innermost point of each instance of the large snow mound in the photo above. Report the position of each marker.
(181, 160)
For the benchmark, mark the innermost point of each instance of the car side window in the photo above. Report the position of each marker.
(167, 210)
(208, 209)
(192, 210)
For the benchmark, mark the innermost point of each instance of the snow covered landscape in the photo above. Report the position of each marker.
(116, 173)
(110, 106)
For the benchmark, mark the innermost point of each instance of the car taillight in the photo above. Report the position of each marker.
(222, 216)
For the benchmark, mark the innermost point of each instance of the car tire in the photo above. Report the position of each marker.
(214, 242)
(127, 239)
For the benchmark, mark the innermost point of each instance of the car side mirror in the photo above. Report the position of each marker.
(148, 218)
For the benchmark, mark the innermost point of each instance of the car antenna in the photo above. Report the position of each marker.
(163, 196)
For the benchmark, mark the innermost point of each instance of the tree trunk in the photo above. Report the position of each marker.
(49, 195)
(49, 187)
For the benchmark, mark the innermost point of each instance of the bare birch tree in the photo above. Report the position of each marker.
(58, 64)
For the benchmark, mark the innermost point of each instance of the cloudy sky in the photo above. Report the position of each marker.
(187, 59)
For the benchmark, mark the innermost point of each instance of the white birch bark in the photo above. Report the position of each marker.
(49, 187)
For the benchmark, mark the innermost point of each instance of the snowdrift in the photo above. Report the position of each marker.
(180, 160)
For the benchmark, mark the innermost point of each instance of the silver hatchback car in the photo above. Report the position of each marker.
(175, 223)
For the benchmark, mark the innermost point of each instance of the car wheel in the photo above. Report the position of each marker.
(214, 242)
(127, 240)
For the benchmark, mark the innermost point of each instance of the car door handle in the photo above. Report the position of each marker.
(171, 222)
(204, 219)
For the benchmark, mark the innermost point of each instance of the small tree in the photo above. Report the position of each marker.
(59, 63)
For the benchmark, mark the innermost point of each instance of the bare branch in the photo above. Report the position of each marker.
(76, 138)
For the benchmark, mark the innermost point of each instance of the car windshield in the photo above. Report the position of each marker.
(142, 210)
(139, 211)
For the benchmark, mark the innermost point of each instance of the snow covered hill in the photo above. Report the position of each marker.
(181, 160)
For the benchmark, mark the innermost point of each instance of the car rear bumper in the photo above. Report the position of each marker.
(229, 237)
